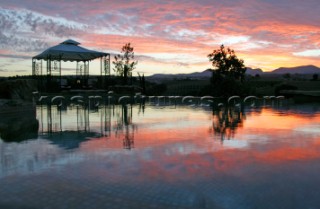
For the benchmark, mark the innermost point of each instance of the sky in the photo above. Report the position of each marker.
(167, 36)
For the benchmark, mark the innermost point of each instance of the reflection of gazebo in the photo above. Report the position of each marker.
(69, 50)
(69, 139)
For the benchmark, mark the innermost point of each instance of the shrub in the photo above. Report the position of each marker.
(284, 87)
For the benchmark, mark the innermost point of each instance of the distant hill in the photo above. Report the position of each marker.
(308, 69)
(207, 73)
(196, 75)
(252, 71)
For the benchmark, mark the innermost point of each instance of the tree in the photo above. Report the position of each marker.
(124, 63)
(227, 74)
(226, 63)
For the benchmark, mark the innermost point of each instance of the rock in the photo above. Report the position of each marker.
(17, 111)
(18, 122)
(20, 89)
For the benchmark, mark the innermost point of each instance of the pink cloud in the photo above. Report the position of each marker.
(255, 29)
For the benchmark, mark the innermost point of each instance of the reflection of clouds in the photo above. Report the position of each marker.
(184, 168)
(169, 150)
(310, 129)
(32, 157)
(239, 144)
(290, 118)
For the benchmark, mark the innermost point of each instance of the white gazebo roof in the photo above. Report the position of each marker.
(69, 51)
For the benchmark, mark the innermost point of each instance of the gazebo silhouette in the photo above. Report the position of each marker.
(68, 50)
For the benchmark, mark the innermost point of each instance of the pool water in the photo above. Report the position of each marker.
(165, 157)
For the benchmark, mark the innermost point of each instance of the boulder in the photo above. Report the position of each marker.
(20, 89)
(17, 111)
(18, 125)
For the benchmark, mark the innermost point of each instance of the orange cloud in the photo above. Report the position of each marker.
(265, 34)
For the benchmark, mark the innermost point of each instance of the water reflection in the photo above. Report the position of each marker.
(124, 127)
(69, 127)
(69, 139)
(226, 120)
(276, 156)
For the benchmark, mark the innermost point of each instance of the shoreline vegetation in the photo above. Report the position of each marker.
(176, 86)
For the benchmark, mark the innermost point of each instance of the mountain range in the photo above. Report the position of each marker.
(308, 69)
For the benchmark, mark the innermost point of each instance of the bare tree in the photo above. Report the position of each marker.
(124, 63)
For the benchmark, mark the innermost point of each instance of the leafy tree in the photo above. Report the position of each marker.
(124, 63)
(227, 74)
(226, 63)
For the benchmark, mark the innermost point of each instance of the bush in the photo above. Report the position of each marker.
(226, 87)
(156, 89)
(284, 87)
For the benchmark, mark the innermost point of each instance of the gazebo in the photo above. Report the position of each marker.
(69, 50)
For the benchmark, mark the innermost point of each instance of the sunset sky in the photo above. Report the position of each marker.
(167, 36)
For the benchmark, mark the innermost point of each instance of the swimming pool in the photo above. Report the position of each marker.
(165, 157)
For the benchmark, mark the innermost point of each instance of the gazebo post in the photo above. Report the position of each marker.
(106, 68)
(77, 74)
(84, 78)
(101, 78)
(108, 65)
(48, 73)
(33, 68)
(60, 76)
(88, 72)
(34, 73)
(41, 75)
(104, 73)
